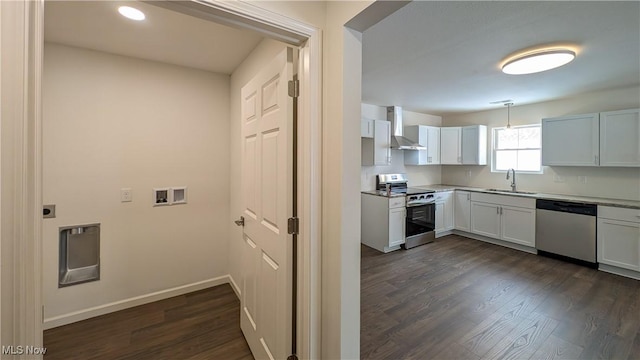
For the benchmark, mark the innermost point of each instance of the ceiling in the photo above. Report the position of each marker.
(444, 57)
(164, 35)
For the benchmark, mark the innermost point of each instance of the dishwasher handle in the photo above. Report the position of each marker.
(567, 207)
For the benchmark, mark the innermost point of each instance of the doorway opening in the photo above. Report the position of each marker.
(112, 157)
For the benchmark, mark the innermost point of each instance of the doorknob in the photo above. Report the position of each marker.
(240, 222)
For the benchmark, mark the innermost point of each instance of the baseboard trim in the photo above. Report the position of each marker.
(234, 286)
(619, 271)
(496, 241)
(60, 320)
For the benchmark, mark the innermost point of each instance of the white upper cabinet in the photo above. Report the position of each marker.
(620, 138)
(366, 128)
(451, 145)
(428, 136)
(474, 145)
(571, 140)
(463, 145)
(377, 151)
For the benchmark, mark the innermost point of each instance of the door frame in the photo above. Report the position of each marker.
(26, 216)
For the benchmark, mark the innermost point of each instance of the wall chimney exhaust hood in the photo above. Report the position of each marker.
(398, 141)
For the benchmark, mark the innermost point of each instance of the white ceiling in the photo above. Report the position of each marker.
(164, 36)
(443, 57)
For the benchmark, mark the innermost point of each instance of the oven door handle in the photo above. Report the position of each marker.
(420, 203)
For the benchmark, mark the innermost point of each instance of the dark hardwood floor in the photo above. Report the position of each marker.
(199, 325)
(459, 298)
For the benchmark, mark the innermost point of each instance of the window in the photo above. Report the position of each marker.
(517, 148)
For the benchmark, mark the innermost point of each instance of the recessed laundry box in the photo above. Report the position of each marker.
(79, 259)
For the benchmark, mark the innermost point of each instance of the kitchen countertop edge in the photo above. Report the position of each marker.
(631, 204)
(381, 193)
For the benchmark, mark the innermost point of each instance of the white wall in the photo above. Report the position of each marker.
(618, 183)
(417, 175)
(113, 122)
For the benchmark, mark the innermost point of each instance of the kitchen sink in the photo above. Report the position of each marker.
(512, 192)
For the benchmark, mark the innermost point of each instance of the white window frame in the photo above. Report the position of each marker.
(494, 138)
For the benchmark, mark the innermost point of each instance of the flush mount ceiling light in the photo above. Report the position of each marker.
(529, 63)
(131, 13)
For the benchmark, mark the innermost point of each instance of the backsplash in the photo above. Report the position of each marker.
(417, 175)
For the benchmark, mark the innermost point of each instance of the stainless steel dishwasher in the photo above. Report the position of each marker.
(567, 229)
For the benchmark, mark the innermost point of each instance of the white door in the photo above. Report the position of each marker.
(267, 118)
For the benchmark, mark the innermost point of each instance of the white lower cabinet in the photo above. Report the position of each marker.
(618, 241)
(383, 222)
(462, 210)
(485, 219)
(397, 221)
(507, 218)
(444, 212)
(518, 225)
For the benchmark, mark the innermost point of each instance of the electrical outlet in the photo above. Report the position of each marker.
(558, 179)
(582, 179)
(126, 195)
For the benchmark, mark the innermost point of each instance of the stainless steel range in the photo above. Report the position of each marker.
(420, 208)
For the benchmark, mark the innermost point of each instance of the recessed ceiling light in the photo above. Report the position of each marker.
(539, 61)
(131, 13)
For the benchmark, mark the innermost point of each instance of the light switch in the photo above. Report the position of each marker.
(126, 195)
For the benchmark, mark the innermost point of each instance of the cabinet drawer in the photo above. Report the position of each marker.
(396, 202)
(506, 200)
(616, 213)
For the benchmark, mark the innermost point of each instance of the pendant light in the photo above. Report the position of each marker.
(508, 105)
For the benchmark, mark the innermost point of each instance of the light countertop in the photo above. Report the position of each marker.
(382, 193)
(632, 204)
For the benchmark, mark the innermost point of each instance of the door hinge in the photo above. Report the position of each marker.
(293, 226)
(294, 88)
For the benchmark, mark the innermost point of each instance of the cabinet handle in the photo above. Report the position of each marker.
(498, 210)
(469, 198)
(596, 159)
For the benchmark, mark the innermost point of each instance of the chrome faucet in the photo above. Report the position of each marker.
(513, 179)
